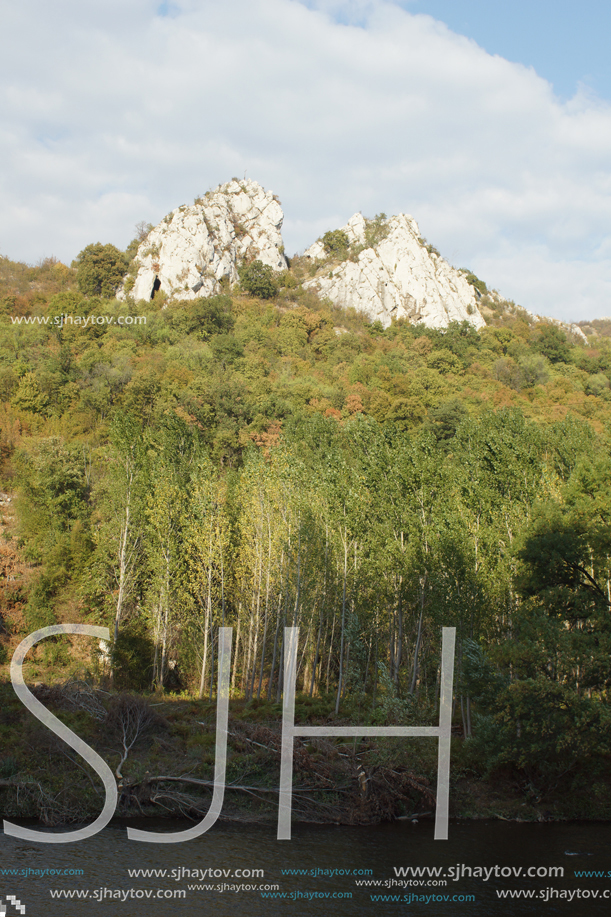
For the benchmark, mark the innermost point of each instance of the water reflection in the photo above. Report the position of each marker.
(231, 853)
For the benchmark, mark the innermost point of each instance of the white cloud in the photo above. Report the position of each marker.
(116, 112)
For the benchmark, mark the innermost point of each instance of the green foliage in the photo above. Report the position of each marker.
(445, 419)
(142, 230)
(598, 385)
(226, 349)
(9, 766)
(376, 230)
(529, 370)
(430, 248)
(53, 495)
(444, 361)
(552, 343)
(68, 303)
(132, 660)
(213, 315)
(132, 250)
(546, 731)
(258, 279)
(29, 397)
(100, 270)
(534, 369)
(406, 413)
(475, 282)
(481, 679)
(336, 243)
(245, 461)
(39, 608)
(29, 283)
(557, 559)
(565, 571)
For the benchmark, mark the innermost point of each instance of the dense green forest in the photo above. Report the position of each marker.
(266, 460)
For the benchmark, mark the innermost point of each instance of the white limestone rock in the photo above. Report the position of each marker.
(195, 247)
(396, 277)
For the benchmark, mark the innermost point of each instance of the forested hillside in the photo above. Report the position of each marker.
(265, 460)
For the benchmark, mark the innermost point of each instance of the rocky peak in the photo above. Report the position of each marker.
(387, 271)
(195, 247)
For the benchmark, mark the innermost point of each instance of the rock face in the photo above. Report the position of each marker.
(194, 248)
(386, 270)
(390, 272)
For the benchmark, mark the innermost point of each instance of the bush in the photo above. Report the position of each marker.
(552, 343)
(38, 611)
(100, 270)
(258, 280)
(376, 230)
(544, 730)
(336, 243)
(406, 413)
(445, 419)
(598, 385)
(132, 661)
(475, 282)
(534, 369)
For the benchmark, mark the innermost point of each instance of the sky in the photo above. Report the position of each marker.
(489, 123)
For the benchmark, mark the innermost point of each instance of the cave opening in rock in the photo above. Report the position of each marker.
(156, 287)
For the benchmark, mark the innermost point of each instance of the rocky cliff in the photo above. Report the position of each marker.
(381, 267)
(385, 269)
(194, 248)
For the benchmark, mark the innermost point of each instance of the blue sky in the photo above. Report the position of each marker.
(567, 42)
(489, 123)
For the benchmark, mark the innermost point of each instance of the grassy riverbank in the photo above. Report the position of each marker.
(169, 766)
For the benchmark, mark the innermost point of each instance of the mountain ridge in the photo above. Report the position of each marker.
(382, 267)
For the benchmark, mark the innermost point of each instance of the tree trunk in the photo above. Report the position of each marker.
(343, 627)
(418, 638)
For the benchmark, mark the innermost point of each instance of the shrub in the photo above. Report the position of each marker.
(444, 361)
(552, 343)
(336, 243)
(534, 369)
(406, 413)
(39, 609)
(132, 660)
(445, 419)
(598, 385)
(430, 248)
(100, 270)
(29, 396)
(475, 282)
(376, 230)
(258, 280)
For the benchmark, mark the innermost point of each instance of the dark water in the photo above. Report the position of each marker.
(106, 858)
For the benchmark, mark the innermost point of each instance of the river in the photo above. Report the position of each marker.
(357, 855)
